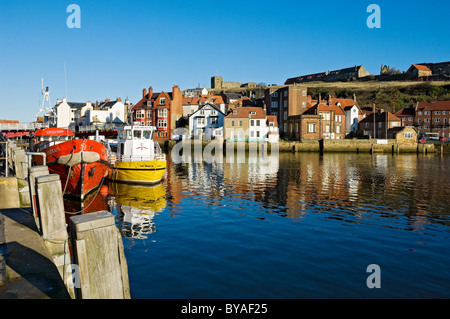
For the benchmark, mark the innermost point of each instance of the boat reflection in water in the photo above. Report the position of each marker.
(135, 206)
(94, 202)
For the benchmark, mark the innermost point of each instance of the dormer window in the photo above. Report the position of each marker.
(253, 113)
(234, 112)
(162, 101)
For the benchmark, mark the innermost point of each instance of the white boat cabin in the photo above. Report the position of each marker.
(135, 143)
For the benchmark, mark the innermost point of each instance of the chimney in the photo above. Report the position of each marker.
(144, 93)
(150, 92)
(320, 98)
(175, 92)
(119, 99)
(354, 97)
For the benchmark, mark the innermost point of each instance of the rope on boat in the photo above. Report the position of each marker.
(70, 169)
(93, 198)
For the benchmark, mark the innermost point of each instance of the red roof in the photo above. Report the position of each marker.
(272, 118)
(435, 106)
(421, 67)
(245, 112)
(53, 131)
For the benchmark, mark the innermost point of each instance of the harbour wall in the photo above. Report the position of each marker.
(322, 146)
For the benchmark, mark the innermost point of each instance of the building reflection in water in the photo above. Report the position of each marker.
(135, 207)
(348, 187)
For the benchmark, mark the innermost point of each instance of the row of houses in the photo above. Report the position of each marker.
(287, 111)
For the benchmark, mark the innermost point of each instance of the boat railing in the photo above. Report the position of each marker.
(135, 158)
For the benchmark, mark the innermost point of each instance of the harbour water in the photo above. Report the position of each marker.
(301, 226)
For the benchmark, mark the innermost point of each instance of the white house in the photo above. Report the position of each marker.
(70, 113)
(108, 112)
(206, 122)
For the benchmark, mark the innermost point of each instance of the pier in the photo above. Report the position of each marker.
(44, 254)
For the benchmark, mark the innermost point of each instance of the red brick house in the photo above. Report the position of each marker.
(162, 110)
(323, 119)
(433, 117)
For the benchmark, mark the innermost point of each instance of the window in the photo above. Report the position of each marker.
(285, 103)
(327, 128)
(201, 121)
(271, 124)
(162, 123)
(285, 127)
(437, 120)
(304, 104)
(285, 115)
(253, 113)
(275, 94)
(252, 123)
(427, 120)
(234, 112)
(410, 119)
(338, 129)
(214, 120)
(162, 101)
(257, 133)
(380, 124)
(149, 113)
(252, 134)
(290, 127)
(426, 112)
(437, 112)
(232, 123)
(149, 123)
(162, 113)
(408, 135)
(420, 113)
(257, 122)
(311, 128)
(240, 123)
(202, 112)
(444, 112)
(285, 93)
(274, 105)
(296, 127)
(366, 125)
(304, 92)
(140, 114)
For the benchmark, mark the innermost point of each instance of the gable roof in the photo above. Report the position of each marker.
(421, 67)
(323, 107)
(207, 105)
(245, 112)
(406, 111)
(380, 117)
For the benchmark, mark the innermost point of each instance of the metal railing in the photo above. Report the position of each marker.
(21, 126)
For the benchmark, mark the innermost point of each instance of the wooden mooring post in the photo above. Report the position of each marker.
(98, 252)
(34, 172)
(52, 220)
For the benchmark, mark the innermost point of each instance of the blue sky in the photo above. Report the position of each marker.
(124, 46)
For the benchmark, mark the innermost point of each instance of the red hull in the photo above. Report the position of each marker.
(81, 164)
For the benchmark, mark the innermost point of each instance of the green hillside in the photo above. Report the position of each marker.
(390, 96)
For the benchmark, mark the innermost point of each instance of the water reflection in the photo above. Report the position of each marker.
(135, 207)
(353, 187)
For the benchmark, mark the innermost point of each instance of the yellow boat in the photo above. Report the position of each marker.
(138, 158)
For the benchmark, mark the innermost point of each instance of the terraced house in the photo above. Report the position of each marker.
(433, 117)
(250, 124)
